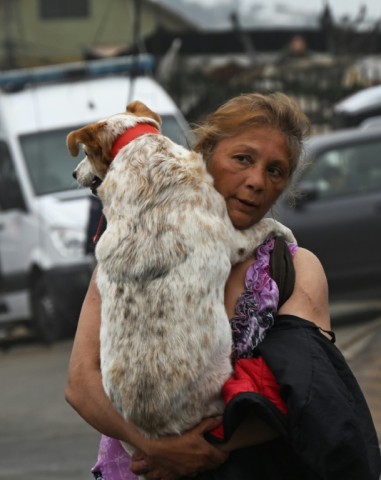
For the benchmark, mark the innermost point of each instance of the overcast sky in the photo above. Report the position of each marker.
(216, 14)
(339, 7)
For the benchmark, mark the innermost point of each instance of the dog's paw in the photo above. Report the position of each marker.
(271, 226)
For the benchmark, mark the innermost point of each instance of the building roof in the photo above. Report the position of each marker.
(184, 21)
(218, 42)
(222, 42)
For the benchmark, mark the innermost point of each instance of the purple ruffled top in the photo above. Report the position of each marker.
(113, 461)
(254, 314)
(257, 305)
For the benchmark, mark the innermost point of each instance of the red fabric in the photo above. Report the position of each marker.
(97, 235)
(251, 375)
(129, 135)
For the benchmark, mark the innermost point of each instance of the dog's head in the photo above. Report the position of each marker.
(98, 139)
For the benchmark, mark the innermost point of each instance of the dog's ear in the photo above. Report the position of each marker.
(88, 136)
(141, 110)
(73, 140)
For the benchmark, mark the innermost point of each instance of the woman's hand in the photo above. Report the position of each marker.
(141, 465)
(170, 458)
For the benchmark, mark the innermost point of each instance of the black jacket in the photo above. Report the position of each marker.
(328, 433)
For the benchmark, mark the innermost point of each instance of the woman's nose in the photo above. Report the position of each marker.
(255, 177)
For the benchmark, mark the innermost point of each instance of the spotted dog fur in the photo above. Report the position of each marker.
(162, 266)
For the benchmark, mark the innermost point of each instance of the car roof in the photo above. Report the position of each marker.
(317, 144)
(360, 101)
(371, 122)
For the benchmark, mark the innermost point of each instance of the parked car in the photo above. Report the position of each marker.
(358, 108)
(338, 213)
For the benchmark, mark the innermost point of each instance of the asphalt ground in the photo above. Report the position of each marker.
(358, 335)
(366, 366)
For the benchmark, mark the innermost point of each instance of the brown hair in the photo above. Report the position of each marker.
(275, 110)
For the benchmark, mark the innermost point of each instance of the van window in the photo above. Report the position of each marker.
(10, 191)
(48, 161)
(50, 165)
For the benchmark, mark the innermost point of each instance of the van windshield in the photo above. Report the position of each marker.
(50, 165)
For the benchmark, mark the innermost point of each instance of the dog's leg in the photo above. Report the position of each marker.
(271, 226)
(244, 242)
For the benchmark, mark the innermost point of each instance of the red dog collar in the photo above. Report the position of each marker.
(134, 132)
(129, 135)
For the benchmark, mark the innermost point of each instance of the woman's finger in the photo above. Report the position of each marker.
(139, 467)
(208, 424)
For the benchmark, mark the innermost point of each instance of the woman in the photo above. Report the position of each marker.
(251, 146)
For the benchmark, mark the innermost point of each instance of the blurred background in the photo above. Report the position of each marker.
(207, 51)
(66, 63)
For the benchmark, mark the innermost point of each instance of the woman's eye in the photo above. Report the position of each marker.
(277, 172)
(242, 158)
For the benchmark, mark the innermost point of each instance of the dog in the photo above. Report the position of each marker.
(163, 261)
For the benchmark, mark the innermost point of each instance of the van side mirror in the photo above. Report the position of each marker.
(11, 197)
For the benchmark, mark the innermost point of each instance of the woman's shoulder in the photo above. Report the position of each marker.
(309, 299)
(307, 263)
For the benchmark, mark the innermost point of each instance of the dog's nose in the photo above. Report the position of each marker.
(74, 174)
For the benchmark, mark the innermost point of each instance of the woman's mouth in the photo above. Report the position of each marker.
(243, 213)
(246, 203)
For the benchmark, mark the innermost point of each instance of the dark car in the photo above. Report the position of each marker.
(338, 215)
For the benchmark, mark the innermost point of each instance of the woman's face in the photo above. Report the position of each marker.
(250, 171)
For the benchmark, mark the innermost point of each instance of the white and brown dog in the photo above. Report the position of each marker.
(162, 266)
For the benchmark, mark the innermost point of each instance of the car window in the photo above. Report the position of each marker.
(345, 170)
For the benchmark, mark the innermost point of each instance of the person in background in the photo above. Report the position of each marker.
(293, 408)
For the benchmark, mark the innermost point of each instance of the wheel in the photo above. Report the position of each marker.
(46, 320)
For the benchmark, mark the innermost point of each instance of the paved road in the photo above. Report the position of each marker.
(43, 439)
(361, 346)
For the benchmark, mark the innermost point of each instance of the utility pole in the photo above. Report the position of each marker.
(137, 42)
(9, 44)
(244, 37)
(137, 33)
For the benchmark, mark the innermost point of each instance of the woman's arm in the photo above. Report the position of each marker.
(84, 390)
(252, 431)
(309, 300)
(85, 393)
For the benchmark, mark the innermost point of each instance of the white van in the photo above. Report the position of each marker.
(44, 271)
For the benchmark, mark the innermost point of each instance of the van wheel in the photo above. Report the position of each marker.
(46, 321)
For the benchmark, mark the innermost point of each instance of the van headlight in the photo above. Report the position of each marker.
(68, 241)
